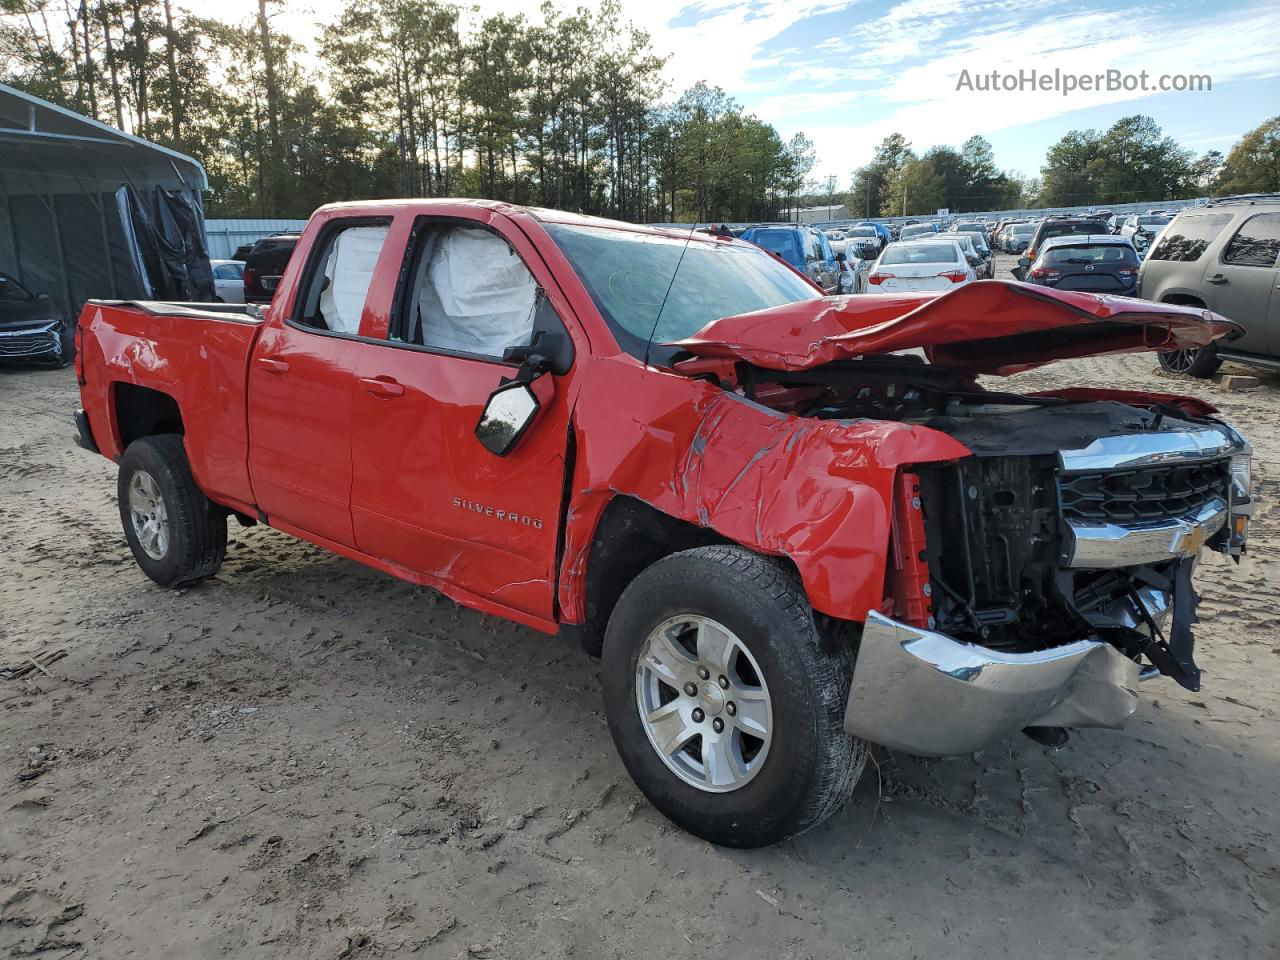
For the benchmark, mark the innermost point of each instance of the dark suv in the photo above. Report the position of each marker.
(1222, 256)
(265, 264)
(1057, 227)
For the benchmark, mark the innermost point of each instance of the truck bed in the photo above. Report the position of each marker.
(195, 353)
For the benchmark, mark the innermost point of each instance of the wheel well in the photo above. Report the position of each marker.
(1183, 300)
(630, 536)
(143, 412)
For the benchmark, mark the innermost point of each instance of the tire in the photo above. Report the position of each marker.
(807, 768)
(1202, 363)
(194, 539)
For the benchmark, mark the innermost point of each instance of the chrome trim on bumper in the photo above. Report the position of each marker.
(1154, 449)
(924, 693)
(1096, 545)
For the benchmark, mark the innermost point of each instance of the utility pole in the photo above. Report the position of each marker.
(831, 190)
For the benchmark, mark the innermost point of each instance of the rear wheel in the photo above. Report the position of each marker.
(177, 536)
(1203, 362)
(724, 705)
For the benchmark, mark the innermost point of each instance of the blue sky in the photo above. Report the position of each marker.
(848, 73)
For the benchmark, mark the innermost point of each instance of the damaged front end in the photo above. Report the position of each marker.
(1055, 569)
(1032, 582)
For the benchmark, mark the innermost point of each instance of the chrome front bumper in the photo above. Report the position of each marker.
(924, 693)
(37, 341)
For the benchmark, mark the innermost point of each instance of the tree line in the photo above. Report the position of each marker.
(1131, 161)
(409, 98)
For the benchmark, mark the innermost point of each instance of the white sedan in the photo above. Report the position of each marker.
(228, 280)
(920, 265)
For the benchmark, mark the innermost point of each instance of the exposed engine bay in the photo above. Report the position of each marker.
(1046, 536)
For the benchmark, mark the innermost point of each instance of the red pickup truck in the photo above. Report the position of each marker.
(789, 524)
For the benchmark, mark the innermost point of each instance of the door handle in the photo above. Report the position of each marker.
(1216, 278)
(381, 388)
(272, 365)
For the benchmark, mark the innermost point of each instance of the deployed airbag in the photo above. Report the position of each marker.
(348, 273)
(478, 296)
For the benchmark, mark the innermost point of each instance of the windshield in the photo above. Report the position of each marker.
(1102, 254)
(916, 230)
(628, 273)
(905, 253)
(1153, 221)
(11, 291)
(862, 232)
(1024, 229)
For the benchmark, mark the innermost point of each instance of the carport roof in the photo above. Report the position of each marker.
(45, 148)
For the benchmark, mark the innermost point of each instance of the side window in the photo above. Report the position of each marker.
(1188, 237)
(1256, 243)
(469, 292)
(337, 285)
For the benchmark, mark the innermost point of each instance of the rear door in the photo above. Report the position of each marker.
(301, 384)
(425, 494)
(1241, 285)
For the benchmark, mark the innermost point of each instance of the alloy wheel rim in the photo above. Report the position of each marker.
(703, 703)
(1180, 361)
(148, 514)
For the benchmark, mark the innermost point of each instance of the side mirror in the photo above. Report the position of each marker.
(1023, 262)
(507, 415)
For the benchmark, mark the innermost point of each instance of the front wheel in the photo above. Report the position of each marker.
(1203, 362)
(725, 705)
(177, 536)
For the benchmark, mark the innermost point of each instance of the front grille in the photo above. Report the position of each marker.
(1150, 493)
(28, 345)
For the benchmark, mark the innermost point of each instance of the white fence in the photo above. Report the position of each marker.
(225, 235)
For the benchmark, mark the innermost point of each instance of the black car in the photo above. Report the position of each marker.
(1098, 264)
(29, 329)
(265, 264)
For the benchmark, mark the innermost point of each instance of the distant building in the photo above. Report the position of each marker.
(821, 214)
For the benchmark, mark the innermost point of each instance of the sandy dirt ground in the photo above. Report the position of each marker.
(305, 758)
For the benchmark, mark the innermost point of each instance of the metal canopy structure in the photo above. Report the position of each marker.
(71, 191)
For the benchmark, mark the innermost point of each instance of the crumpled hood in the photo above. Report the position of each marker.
(990, 326)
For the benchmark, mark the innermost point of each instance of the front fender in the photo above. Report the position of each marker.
(816, 491)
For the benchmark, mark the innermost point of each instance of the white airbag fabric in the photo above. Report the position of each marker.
(478, 296)
(349, 271)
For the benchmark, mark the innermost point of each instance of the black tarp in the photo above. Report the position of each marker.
(168, 229)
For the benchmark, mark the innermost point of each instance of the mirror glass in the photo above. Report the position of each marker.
(509, 411)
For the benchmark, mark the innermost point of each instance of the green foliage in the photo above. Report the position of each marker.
(1133, 160)
(1253, 165)
(420, 99)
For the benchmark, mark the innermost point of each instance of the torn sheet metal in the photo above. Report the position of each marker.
(992, 326)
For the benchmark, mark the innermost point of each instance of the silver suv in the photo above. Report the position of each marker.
(1223, 256)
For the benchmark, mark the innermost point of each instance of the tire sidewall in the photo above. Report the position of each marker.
(765, 804)
(142, 455)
